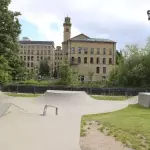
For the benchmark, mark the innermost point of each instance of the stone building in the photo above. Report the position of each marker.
(87, 55)
(32, 52)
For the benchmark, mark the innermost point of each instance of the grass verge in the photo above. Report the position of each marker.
(22, 95)
(131, 126)
(107, 97)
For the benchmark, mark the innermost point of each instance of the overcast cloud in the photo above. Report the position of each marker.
(124, 21)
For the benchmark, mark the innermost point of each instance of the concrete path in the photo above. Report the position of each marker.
(28, 130)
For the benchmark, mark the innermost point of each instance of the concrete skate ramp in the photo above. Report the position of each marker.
(64, 98)
(78, 102)
(31, 131)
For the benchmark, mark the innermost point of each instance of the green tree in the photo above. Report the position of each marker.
(68, 76)
(134, 70)
(4, 70)
(9, 33)
(119, 57)
(44, 69)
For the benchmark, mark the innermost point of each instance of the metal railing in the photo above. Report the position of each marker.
(45, 110)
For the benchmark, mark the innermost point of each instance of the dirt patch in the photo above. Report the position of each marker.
(95, 140)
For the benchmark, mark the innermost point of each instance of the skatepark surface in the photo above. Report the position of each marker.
(22, 126)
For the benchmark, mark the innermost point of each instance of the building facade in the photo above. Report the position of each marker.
(32, 52)
(88, 56)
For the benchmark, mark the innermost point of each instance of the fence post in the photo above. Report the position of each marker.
(34, 90)
(56, 111)
(17, 89)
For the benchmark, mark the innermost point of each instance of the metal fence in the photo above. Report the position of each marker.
(93, 91)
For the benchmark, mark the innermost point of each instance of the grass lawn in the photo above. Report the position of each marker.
(22, 94)
(107, 97)
(131, 126)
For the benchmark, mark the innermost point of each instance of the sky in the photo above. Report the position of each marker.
(123, 21)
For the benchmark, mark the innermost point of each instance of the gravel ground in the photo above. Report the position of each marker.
(95, 140)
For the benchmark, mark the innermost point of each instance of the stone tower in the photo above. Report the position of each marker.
(67, 28)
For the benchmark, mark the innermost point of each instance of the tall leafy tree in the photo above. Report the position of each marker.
(119, 57)
(10, 29)
(44, 69)
(134, 70)
(4, 70)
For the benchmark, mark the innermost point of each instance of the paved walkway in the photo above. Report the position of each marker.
(28, 130)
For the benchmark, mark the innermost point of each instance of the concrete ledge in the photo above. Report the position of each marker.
(144, 99)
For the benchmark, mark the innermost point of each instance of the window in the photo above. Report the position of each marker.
(110, 51)
(79, 60)
(21, 46)
(103, 77)
(21, 57)
(73, 50)
(37, 58)
(28, 58)
(97, 60)
(91, 60)
(104, 51)
(31, 70)
(31, 64)
(28, 64)
(72, 59)
(48, 57)
(104, 60)
(28, 51)
(98, 51)
(85, 60)
(79, 50)
(49, 52)
(55, 53)
(41, 52)
(21, 52)
(45, 52)
(24, 52)
(110, 60)
(32, 58)
(37, 52)
(67, 29)
(92, 50)
(32, 52)
(41, 57)
(49, 46)
(97, 70)
(104, 70)
(24, 58)
(45, 47)
(85, 50)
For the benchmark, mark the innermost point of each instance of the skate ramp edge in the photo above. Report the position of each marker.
(59, 92)
(6, 108)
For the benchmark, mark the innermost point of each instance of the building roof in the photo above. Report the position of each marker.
(84, 38)
(93, 40)
(37, 42)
